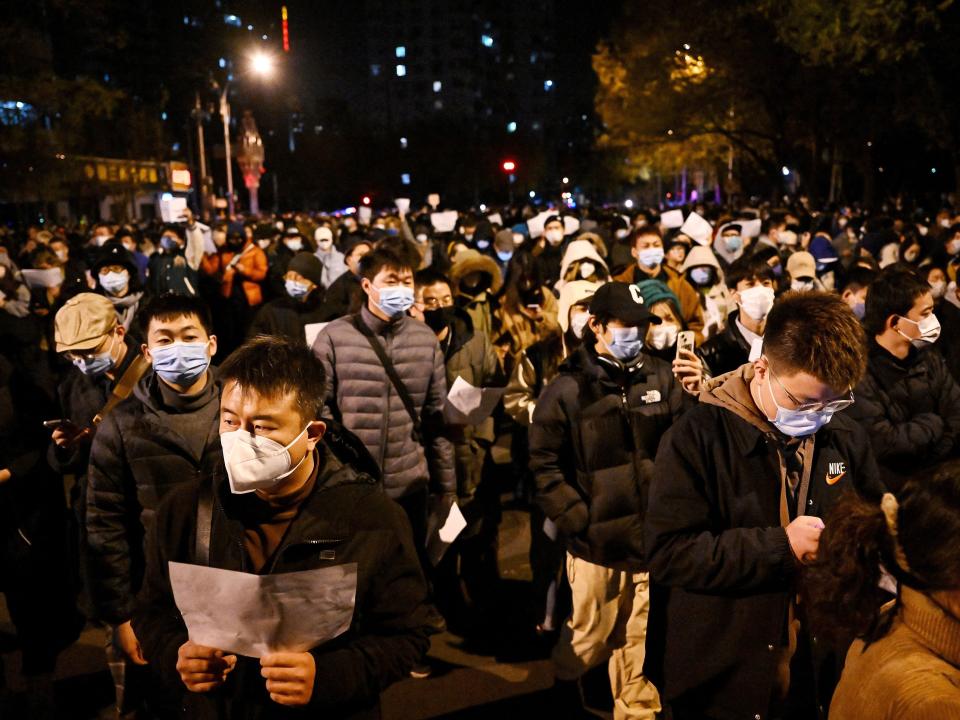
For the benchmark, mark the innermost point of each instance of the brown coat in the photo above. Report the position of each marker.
(912, 673)
(687, 294)
(252, 269)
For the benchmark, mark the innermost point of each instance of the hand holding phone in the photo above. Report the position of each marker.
(685, 341)
(65, 433)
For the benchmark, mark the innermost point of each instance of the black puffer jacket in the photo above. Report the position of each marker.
(286, 317)
(910, 408)
(593, 439)
(725, 351)
(347, 519)
(138, 456)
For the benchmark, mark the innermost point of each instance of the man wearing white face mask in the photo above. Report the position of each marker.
(743, 486)
(388, 384)
(282, 500)
(594, 435)
(751, 283)
(333, 261)
(164, 435)
(548, 252)
(908, 400)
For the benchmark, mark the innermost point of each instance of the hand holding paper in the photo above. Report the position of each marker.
(255, 615)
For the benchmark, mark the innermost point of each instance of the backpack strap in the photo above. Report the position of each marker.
(121, 391)
(204, 522)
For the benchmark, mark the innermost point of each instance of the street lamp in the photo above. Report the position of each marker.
(262, 65)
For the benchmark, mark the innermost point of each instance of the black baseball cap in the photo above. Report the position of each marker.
(623, 302)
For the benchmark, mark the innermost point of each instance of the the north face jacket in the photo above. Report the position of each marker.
(362, 398)
(594, 436)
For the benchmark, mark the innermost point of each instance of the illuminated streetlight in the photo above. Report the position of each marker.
(261, 64)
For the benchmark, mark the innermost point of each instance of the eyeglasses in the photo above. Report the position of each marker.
(833, 406)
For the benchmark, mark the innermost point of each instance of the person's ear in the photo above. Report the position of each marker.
(760, 367)
(595, 326)
(145, 351)
(892, 322)
(120, 331)
(634, 251)
(366, 285)
(315, 432)
(213, 345)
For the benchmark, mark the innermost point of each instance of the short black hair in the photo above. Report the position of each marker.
(856, 278)
(170, 306)
(274, 367)
(381, 257)
(748, 268)
(429, 276)
(817, 333)
(893, 293)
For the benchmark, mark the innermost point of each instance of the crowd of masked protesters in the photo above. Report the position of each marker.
(733, 430)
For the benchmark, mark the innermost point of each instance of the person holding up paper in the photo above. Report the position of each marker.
(302, 304)
(649, 255)
(593, 440)
(469, 357)
(281, 501)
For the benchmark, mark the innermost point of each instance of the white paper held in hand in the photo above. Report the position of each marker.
(311, 330)
(403, 204)
(444, 221)
(469, 405)
(254, 615)
(453, 526)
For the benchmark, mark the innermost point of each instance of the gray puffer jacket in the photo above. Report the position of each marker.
(362, 398)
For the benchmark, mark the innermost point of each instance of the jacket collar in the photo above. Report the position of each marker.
(461, 331)
(381, 327)
(586, 362)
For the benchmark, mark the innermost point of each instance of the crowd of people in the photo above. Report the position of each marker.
(733, 431)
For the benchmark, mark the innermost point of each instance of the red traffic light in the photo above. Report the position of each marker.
(509, 166)
(366, 199)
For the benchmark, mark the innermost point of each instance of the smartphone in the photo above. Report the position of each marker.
(684, 341)
(50, 424)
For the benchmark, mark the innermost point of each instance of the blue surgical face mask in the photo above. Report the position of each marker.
(181, 363)
(296, 290)
(626, 344)
(733, 243)
(483, 244)
(701, 276)
(115, 282)
(650, 257)
(169, 244)
(395, 300)
(860, 309)
(797, 423)
(504, 255)
(97, 364)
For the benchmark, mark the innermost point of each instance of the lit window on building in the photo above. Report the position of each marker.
(437, 86)
(403, 143)
(15, 112)
(405, 178)
(401, 70)
(232, 20)
(401, 51)
(547, 85)
(223, 62)
(487, 40)
(375, 70)
(511, 127)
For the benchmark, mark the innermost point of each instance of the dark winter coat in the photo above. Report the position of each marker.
(725, 351)
(362, 398)
(721, 558)
(949, 343)
(138, 456)
(592, 443)
(287, 317)
(345, 520)
(910, 409)
(344, 296)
